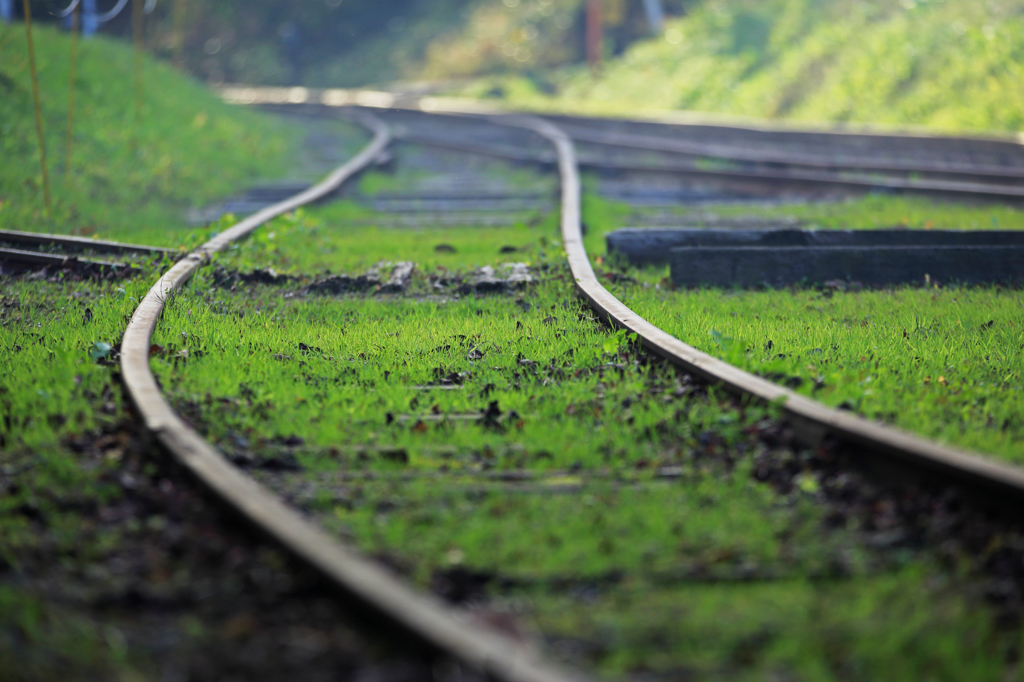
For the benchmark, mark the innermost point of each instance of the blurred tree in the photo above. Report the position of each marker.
(344, 42)
(655, 15)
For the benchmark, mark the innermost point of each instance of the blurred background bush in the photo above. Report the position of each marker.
(945, 64)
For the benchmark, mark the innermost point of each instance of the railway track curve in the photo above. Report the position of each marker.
(982, 168)
(424, 618)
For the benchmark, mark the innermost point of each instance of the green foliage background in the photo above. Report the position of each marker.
(943, 64)
(129, 179)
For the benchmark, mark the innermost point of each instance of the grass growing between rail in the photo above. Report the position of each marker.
(511, 452)
(128, 181)
(347, 236)
(400, 349)
(307, 243)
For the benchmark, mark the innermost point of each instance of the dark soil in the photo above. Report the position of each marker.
(194, 594)
(384, 278)
(903, 510)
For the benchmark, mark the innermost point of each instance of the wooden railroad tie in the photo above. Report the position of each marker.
(750, 258)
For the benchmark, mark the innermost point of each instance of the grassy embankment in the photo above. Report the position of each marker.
(953, 65)
(127, 182)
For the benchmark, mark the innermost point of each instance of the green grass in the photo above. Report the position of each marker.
(582, 528)
(591, 427)
(945, 363)
(127, 181)
(393, 468)
(393, 347)
(309, 243)
(887, 627)
(952, 65)
(50, 383)
(53, 391)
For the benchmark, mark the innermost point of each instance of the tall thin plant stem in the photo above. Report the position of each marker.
(39, 110)
(137, 12)
(69, 142)
(179, 33)
(594, 34)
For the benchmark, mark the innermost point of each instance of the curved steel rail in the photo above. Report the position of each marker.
(67, 11)
(107, 16)
(809, 416)
(104, 18)
(374, 587)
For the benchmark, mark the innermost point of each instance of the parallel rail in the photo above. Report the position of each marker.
(798, 175)
(372, 586)
(419, 616)
(68, 246)
(777, 168)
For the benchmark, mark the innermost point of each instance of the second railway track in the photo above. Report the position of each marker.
(499, 650)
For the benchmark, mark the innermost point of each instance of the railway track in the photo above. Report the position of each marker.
(534, 141)
(774, 160)
(32, 250)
